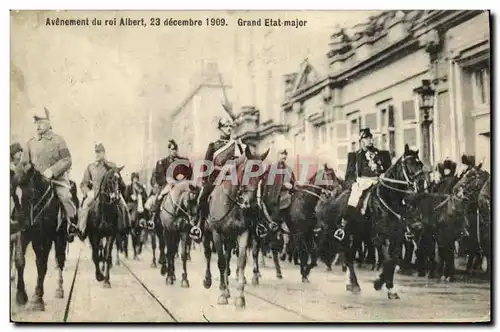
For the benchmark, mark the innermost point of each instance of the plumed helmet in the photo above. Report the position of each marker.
(365, 133)
(41, 114)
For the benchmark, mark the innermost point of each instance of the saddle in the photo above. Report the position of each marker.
(363, 200)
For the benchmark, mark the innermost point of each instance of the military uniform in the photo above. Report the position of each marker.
(91, 181)
(49, 152)
(165, 181)
(447, 178)
(218, 154)
(363, 169)
(135, 197)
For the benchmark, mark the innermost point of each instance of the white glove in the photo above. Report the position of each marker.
(48, 174)
(134, 198)
(288, 185)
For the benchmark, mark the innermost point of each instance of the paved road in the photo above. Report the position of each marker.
(139, 294)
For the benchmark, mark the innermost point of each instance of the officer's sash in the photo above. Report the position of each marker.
(225, 153)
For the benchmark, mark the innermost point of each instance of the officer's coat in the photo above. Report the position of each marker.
(48, 151)
(94, 172)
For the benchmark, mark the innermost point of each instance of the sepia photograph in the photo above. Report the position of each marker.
(250, 166)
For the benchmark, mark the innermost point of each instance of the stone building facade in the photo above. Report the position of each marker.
(372, 73)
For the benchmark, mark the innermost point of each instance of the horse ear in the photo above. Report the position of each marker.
(264, 155)
(407, 148)
(119, 169)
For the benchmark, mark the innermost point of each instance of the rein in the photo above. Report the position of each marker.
(49, 190)
(173, 214)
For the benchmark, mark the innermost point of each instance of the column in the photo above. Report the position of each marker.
(452, 93)
(459, 118)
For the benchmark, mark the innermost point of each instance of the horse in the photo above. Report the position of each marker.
(384, 218)
(304, 226)
(42, 227)
(445, 218)
(105, 223)
(230, 207)
(176, 214)
(483, 225)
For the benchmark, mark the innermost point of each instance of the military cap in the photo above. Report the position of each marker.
(173, 143)
(224, 122)
(134, 175)
(41, 115)
(15, 148)
(468, 160)
(283, 151)
(99, 148)
(365, 133)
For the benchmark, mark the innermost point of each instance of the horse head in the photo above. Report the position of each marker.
(111, 186)
(249, 175)
(471, 183)
(190, 199)
(408, 170)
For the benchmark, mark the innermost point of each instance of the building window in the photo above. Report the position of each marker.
(371, 121)
(410, 137)
(481, 86)
(409, 111)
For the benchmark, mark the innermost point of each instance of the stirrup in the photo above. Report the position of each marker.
(339, 234)
(261, 231)
(409, 235)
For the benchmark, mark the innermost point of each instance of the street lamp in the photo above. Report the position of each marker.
(426, 103)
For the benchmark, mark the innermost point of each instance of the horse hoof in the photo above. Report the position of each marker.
(377, 284)
(38, 305)
(228, 272)
(163, 270)
(240, 302)
(21, 297)
(185, 283)
(305, 280)
(153, 265)
(207, 283)
(421, 274)
(348, 288)
(106, 284)
(255, 280)
(169, 280)
(60, 293)
(99, 277)
(355, 289)
(279, 275)
(328, 269)
(442, 278)
(373, 268)
(448, 279)
(136, 258)
(393, 296)
(222, 300)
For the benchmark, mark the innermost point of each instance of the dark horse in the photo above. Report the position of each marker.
(41, 217)
(176, 214)
(303, 224)
(384, 217)
(105, 222)
(483, 226)
(228, 224)
(444, 217)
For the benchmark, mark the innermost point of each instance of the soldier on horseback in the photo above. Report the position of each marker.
(164, 178)
(363, 169)
(49, 154)
(90, 187)
(218, 153)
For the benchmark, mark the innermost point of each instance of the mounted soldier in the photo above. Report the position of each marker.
(135, 197)
(363, 169)
(447, 178)
(16, 152)
(49, 154)
(467, 163)
(164, 177)
(223, 150)
(90, 188)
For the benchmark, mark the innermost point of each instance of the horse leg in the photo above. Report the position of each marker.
(42, 249)
(449, 260)
(255, 256)
(153, 248)
(20, 262)
(389, 267)
(207, 241)
(119, 247)
(275, 253)
(312, 250)
(221, 263)
(60, 244)
(107, 260)
(97, 257)
(171, 251)
(303, 256)
(242, 261)
(352, 284)
(185, 248)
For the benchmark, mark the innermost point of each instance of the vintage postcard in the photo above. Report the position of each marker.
(250, 166)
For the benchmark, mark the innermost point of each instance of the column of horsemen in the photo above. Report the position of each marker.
(49, 154)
